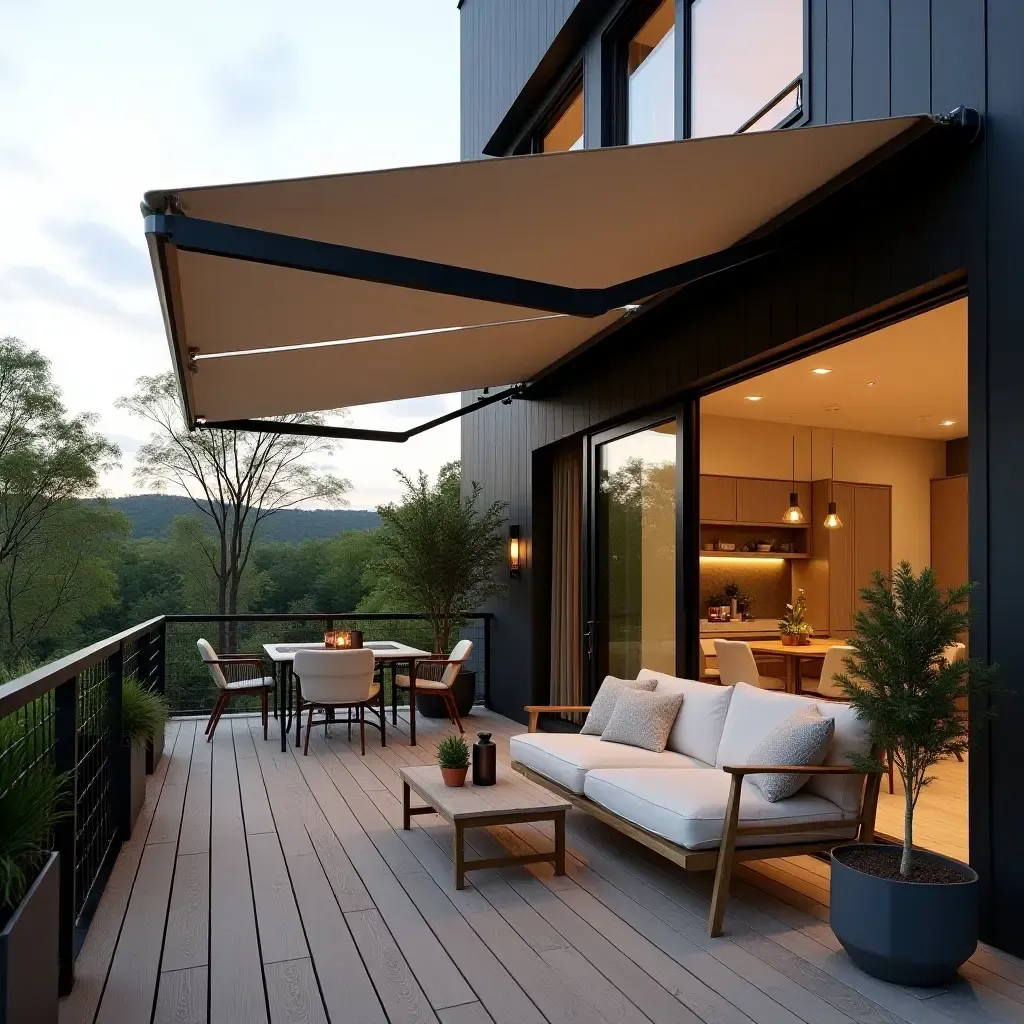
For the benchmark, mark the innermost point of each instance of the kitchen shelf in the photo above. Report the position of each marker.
(754, 554)
(756, 526)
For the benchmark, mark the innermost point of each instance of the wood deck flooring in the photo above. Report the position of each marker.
(267, 887)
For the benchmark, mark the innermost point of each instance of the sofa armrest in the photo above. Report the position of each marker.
(536, 710)
(792, 769)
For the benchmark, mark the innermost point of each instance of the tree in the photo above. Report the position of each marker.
(437, 552)
(899, 681)
(235, 479)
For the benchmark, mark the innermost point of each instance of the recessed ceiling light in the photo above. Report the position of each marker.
(831, 408)
(871, 383)
(820, 371)
(947, 423)
(753, 398)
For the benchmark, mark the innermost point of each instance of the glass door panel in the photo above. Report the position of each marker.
(636, 553)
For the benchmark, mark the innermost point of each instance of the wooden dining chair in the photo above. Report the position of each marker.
(236, 675)
(338, 679)
(446, 671)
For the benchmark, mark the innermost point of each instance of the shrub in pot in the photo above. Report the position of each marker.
(30, 791)
(144, 714)
(453, 760)
(905, 915)
(793, 630)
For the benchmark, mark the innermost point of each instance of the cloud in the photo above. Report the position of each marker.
(40, 283)
(419, 409)
(258, 89)
(105, 254)
(17, 160)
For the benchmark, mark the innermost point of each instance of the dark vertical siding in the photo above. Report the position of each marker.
(910, 73)
(870, 59)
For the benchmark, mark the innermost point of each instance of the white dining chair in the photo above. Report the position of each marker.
(736, 664)
(448, 669)
(831, 666)
(708, 673)
(338, 679)
(236, 675)
(955, 652)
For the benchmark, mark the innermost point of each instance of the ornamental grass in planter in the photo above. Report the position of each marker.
(905, 915)
(453, 760)
(30, 791)
(144, 714)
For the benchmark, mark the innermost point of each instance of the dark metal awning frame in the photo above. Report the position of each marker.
(171, 227)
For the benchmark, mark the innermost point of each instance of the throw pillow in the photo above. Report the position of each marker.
(604, 702)
(643, 719)
(800, 739)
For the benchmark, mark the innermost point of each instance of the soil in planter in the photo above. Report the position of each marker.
(884, 862)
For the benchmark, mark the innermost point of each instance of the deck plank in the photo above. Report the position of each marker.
(181, 998)
(281, 935)
(195, 818)
(187, 943)
(293, 993)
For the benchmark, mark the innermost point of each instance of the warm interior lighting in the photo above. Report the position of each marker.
(793, 514)
(947, 423)
(753, 398)
(832, 520)
(343, 639)
(513, 552)
(750, 559)
(820, 371)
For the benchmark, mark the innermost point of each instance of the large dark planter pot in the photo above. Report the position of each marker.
(154, 751)
(133, 781)
(28, 953)
(463, 689)
(908, 933)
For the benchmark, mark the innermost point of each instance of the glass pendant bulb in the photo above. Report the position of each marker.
(793, 514)
(832, 520)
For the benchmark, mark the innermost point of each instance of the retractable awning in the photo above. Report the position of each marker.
(283, 297)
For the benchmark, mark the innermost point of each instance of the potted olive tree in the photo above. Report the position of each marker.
(144, 715)
(30, 789)
(437, 552)
(904, 915)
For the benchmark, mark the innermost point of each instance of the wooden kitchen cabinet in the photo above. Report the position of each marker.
(764, 501)
(718, 499)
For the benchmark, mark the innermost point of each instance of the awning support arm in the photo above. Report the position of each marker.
(356, 433)
(212, 238)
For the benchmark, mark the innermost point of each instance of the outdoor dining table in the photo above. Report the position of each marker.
(387, 652)
(792, 655)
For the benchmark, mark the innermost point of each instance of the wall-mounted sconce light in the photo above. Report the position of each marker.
(513, 552)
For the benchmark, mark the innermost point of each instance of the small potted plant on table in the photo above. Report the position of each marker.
(793, 630)
(453, 760)
(144, 715)
(904, 915)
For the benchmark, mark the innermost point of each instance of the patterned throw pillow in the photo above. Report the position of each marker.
(643, 719)
(803, 738)
(604, 703)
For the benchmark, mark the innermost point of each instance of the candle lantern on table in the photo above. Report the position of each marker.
(343, 639)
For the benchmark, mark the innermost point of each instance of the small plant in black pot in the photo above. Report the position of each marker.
(904, 915)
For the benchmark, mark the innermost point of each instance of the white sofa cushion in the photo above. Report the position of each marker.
(754, 712)
(698, 726)
(566, 757)
(688, 808)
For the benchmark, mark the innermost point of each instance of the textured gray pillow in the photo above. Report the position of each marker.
(604, 702)
(802, 738)
(643, 719)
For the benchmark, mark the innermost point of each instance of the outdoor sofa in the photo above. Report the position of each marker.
(688, 802)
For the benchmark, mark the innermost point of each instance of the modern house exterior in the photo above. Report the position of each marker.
(899, 237)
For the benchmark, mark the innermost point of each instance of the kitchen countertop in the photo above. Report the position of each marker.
(737, 626)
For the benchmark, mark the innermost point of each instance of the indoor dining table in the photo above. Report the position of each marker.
(792, 655)
(387, 652)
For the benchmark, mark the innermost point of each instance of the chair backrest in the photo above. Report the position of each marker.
(460, 653)
(955, 652)
(831, 666)
(335, 677)
(707, 650)
(209, 655)
(736, 663)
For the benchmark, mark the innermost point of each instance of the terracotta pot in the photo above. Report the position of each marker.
(795, 640)
(454, 776)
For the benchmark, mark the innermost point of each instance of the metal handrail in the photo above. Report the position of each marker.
(797, 83)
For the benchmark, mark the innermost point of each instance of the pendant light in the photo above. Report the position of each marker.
(832, 520)
(793, 514)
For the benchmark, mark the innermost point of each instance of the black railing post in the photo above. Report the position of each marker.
(487, 661)
(65, 758)
(161, 657)
(120, 752)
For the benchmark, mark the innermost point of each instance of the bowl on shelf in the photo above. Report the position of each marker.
(764, 547)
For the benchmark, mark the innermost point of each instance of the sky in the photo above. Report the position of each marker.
(101, 101)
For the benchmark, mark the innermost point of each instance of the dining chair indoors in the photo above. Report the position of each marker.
(708, 672)
(236, 675)
(338, 679)
(831, 666)
(736, 665)
(446, 669)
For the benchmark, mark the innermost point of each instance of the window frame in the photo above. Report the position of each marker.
(558, 102)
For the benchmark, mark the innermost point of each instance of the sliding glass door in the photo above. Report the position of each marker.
(633, 581)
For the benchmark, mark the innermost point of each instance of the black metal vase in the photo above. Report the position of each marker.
(907, 933)
(485, 761)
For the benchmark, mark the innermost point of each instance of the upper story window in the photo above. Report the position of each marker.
(650, 65)
(566, 130)
(746, 65)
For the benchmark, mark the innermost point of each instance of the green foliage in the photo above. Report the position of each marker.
(792, 623)
(29, 795)
(144, 712)
(437, 552)
(732, 590)
(899, 681)
(453, 752)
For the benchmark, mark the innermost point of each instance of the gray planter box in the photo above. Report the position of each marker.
(908, 933)
(28, 953)
(137, 761)
(154, 751)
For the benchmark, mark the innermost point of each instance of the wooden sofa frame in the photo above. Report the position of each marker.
(728, 854)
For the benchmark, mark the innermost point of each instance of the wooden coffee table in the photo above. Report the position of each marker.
(511, 801)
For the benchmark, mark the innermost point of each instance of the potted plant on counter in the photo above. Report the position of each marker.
(30, 790)
(453, 760)
(144, 715)
(904, 915)
(793, 630)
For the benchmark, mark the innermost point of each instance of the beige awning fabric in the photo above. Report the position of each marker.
(263, 323)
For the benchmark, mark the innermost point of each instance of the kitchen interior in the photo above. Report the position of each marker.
(820, 471)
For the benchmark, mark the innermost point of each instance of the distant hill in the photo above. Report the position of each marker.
(151, 516)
